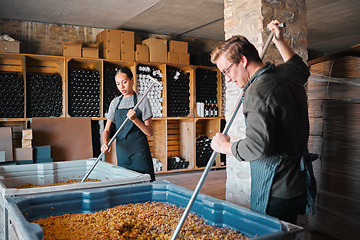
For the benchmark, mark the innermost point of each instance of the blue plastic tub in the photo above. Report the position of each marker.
(23, 210)
(49, 173)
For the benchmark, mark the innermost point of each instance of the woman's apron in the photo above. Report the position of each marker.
(132, 147)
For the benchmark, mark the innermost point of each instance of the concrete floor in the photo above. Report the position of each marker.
(215, 186)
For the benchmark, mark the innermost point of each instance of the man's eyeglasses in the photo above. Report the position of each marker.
(225, 72)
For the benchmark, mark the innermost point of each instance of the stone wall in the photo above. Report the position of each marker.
(249, 18)
(46, 38)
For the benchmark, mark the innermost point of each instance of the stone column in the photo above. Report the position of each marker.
(249, 18)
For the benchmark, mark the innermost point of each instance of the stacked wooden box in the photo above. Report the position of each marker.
(334, 111)
(24, 155)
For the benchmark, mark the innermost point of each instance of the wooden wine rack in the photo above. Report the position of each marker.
(173, 136)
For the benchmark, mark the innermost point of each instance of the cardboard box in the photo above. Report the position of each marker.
(10, 46)
(127, 54)
(90, 52)
(157, 49)
(91, 45)
(111, 45)
(109, 34)
(110, 49)
(127, 45)
(71, 49)
(116, 44)
(111, 54)
(184, 58)
(178, 46)
(6, 143)
(128, 37)
(173, 57)
(27, 134)
(26, 143)
(142, 53)
(23, 154)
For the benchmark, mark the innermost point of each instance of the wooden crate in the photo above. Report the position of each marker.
(11, 62)
(81, 63)
(190, 70)
(162, 68)
(207, 127)
(157, 142)
(47, 65)
(181, 140)
(219, 90)
(173, 136)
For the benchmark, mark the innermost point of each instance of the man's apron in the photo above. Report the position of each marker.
(132, 147)
(265, 169)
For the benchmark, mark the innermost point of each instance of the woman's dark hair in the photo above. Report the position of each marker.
(125, 70)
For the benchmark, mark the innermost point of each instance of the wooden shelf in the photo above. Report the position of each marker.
(173, 136)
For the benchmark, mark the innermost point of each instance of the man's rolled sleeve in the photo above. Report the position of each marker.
(235, 150)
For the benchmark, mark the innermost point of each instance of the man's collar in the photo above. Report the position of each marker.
(257, 74)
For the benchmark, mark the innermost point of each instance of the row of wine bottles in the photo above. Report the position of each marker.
(203, 151)
(110, 89)
(206, 93)
(177, 162)
(84, 93)
(157, 165)
(44, 95)
(207, 109)
(11, 95)
(206, 85)
(155, 94)
(178, 93)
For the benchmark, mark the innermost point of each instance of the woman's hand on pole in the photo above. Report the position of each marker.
(105, 148)
(131, 115)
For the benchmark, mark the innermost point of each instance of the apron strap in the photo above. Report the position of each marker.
(311, 190)
(117, 106)
(135, 99)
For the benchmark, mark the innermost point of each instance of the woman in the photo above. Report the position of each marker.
(132, 147)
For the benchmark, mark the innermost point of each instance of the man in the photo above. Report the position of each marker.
(277, 124)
